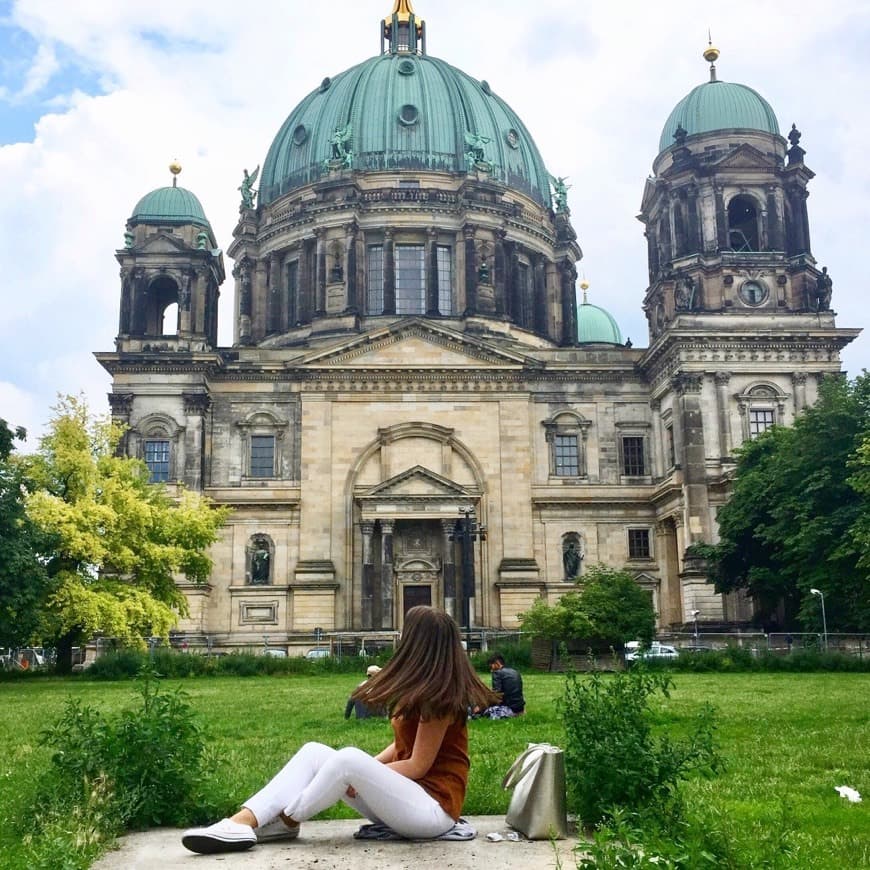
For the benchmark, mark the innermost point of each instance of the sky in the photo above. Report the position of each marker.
(98, 97)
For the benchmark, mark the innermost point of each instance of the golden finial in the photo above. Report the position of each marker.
(403, 9)
(175, 169)
(584, 286)
(711, 55)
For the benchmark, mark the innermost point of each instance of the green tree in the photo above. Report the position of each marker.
(119, 541)
(23, 578)
(608, 609)
(799, 515)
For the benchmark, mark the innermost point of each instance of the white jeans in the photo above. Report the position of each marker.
(317, 777)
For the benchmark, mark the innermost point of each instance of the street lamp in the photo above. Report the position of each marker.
(824, 621)
(695, 618)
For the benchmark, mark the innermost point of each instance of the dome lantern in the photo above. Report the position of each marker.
(403, 31)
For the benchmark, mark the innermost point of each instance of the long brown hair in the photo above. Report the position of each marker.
(430, 675)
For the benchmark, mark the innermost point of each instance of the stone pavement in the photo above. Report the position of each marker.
(329, 845)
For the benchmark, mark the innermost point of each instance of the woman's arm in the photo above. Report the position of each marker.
(385, 756)
(430, 736)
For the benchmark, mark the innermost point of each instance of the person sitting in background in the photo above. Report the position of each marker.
(362, 710)
(509, 683)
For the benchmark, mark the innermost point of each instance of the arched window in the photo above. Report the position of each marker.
(572, 555)
(259, 556)
(743, 224)
(162, 293)
(170, 319)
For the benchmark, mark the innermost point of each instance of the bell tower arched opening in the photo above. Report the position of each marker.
(743, 234)
(162, 294)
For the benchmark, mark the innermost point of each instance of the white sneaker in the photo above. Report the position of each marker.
(222, 836)
(276, 830)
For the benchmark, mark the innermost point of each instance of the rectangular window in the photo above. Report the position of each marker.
(410, 279)
(445, 279)
(567, 456)
(638, 544)
(524, 285)
(292, 293)
(262, 456)
(408, 184)
(633, 464)
(157, 460)
(760, 420)
(672, 451)
(375, 280)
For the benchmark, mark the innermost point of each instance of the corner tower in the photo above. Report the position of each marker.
(171, 272)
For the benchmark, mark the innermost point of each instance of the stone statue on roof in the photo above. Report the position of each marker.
(340, 142)
(247, 188)
(474, 154)
(560, 191)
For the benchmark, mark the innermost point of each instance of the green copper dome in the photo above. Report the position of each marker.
(169, 205)
(719, 105)
(596, 326)
(404, 111)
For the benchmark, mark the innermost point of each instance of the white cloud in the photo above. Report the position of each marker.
(211, 81)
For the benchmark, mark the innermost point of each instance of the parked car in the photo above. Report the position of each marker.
(275, 653)
(317, 653)
(634, 650)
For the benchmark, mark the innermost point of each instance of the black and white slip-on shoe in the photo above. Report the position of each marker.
(222, 836)
(276, 830)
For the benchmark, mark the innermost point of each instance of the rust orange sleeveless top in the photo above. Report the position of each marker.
(447, 779)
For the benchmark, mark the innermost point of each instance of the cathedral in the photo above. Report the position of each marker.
(419, 405)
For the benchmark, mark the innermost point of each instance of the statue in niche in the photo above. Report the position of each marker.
(247, 188)
(824, 290)
(572, 556)
(261, 560)
(684, 295)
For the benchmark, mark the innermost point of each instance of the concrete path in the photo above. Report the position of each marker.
(330, 845)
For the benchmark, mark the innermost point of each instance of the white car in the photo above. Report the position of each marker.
(318, 653)
(634, 650)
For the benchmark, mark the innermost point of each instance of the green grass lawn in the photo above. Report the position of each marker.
(787, 740)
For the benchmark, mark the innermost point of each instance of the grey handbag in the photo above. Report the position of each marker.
(538, 807)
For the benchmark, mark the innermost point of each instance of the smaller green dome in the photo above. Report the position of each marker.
(596, 326)
(719, 106)
(169, 205)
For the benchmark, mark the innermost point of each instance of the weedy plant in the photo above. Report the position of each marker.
(613, 758)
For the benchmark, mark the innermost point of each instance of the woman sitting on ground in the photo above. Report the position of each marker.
(416, 786)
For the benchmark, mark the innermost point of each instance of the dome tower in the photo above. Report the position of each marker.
(171, 272)
(403, 187)
(725, 210)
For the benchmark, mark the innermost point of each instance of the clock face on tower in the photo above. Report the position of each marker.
(753, 293)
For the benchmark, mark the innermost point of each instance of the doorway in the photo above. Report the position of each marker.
(414, 596)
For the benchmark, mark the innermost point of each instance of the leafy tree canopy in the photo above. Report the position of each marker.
(119, 541)
(799, 516)
(609, 609)
(23, 578)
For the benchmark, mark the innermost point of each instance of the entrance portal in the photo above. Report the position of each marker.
(413, 596)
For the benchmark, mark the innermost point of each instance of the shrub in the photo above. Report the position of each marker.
(612, 757)
(150, 759)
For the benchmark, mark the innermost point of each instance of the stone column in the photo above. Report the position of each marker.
(539, 284)
(693, 221)
(774, 220)
(368, 575)
(275, 308)
(433, 303)
(320, 271)
(499, 274)
(137, 316)
(449, 569)
(307, 279)
(722, 380)
(386, 608)
(803, 195)
(799, 387)
(122, 406)
(658, 436)
(242, 274)
(351, 302)
(689, 416)
(126, 301)
(721, 219)
(470, 270)
(196, 407)
(185, 321)
(568, 278)
(389, 273)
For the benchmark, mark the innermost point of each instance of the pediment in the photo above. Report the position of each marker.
(746, 157)
(416, 482)
(415, 344)
(161, 244)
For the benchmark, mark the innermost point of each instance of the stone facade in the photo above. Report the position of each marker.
(351, 425)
